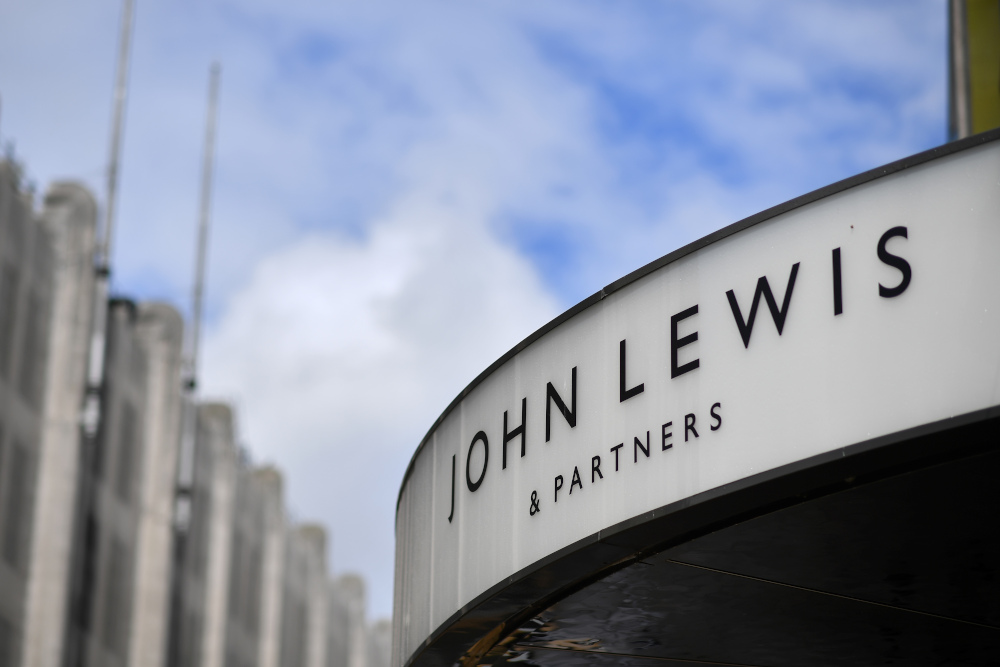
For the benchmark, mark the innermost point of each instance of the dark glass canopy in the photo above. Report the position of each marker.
(884, 553)
(902, 570)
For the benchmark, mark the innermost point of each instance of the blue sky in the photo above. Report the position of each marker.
(404, 190)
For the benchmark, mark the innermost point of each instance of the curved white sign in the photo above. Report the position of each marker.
(866, 312)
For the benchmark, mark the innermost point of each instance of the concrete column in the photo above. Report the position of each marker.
(272, 568)
(380, 643)
(352, 590)
(215, 424)
(160, 330)
(314, 537)
(70, 215)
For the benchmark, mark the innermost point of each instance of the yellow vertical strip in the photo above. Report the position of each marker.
(983, 24)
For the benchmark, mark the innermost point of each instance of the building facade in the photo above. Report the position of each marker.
(26, 294)
(70, 215)
(95, 568)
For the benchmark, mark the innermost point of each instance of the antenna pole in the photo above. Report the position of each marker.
(189, 375)
(206, 195)
(102, 257)
(185, 472)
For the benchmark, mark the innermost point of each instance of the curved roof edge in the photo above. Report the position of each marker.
(757, 218)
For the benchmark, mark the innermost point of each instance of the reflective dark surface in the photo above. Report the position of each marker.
(897, 571)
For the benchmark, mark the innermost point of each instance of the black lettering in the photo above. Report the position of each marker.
(595, 468)
(473, 486)
(623, 393)
(615, 450)
(575, 481)
(638, 445)
(559, 485)
(838, 295)
(716, 416)
(666, 436)
(689, 420)
(894, 261)
(452, 515)
(678, 343)
(552, 396)
(763, 288)
(519, 431)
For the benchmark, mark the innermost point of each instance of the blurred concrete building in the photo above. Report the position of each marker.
(346, 631)
(203, 567)
(121, 554)
(303, 614)
(380, 644)
(69, 214)
(26, 292)
(95, 568)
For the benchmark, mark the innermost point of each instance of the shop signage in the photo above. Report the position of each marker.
(865, 312)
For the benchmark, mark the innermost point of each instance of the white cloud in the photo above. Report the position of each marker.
(342, 353)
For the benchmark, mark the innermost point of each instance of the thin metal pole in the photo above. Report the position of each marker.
(206, 195)
(959, 116)
(102, 257)
(117, 124)
(185, 464)
(185, 474)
